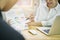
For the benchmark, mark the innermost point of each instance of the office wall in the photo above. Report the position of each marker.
(29, 6)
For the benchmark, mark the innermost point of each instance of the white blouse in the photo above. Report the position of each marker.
(45, 16)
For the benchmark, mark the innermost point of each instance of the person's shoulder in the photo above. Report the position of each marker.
(57, 7)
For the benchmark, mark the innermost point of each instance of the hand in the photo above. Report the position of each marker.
(34, 24)
(31, 17)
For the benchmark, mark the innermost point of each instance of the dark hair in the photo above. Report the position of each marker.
(59, 1)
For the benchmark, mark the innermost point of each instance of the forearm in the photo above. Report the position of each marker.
(35, 24)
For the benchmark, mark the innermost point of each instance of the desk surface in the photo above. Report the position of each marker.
(39, 36)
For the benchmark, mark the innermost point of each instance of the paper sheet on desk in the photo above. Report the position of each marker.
(18, 26)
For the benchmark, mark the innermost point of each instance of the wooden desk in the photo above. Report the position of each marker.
(39, 36)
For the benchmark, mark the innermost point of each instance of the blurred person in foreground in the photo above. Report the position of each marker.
(6, 32)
